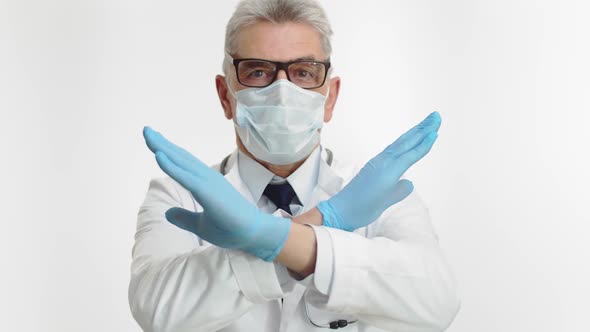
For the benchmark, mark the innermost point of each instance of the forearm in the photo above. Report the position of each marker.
(299, 251)
(175, 283)
(410, 288)
(312, 217)
(396, 277)
(191, 283)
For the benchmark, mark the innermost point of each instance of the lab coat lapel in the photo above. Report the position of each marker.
(233, 177)
(329, 182)
(290, 304)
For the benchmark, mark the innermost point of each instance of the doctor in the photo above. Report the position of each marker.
(281, 236)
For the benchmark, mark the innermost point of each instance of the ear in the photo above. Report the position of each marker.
(331, 99)
(225, 96)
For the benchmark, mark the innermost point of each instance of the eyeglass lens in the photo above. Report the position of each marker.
(306, 74)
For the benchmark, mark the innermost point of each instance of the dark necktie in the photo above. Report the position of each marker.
(281, 195)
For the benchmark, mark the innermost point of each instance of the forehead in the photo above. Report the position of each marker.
(279, 42)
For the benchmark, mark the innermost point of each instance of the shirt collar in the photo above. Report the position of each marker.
(257, 177)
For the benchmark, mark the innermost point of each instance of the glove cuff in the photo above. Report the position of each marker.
(331, 216)
(273, 234)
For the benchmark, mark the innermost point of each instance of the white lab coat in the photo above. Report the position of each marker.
(391, 275)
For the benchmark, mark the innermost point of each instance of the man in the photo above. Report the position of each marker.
(281, 236)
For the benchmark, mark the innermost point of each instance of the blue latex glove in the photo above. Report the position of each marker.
(228, 220)
(378, 186)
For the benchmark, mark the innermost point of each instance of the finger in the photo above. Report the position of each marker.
(431, 122)
(412, 156)
(401, 190)
(414, 136)
(184, 219)
(157, 142)
(151, 139)
(192, 182)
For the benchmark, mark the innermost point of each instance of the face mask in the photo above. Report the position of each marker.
(279, 123)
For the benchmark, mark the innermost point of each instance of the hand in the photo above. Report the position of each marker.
(378, 186)
(228, 220)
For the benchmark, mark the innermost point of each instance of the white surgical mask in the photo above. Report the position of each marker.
(279, 123)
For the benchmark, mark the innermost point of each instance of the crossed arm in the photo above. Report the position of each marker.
(411, 282)
(240, 225)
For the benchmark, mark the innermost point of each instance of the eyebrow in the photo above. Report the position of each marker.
(309, 57)
(303, 58)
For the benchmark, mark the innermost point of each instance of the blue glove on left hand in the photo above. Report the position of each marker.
(378, 186)
(228, 220)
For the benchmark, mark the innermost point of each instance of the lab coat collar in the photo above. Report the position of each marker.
(328, 179)
(233, 177)
(257, 177)
(305, 178)
(254, 175)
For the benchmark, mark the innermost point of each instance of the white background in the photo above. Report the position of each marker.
(507, 182)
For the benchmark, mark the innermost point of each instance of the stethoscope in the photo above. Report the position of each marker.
(340, 323)
(223, 165)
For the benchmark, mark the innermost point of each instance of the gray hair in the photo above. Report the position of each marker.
(249, 12)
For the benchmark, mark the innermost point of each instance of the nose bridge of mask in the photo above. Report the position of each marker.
(280, 93)
(275, 94)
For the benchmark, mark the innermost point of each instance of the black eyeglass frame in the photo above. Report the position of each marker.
(280, 65)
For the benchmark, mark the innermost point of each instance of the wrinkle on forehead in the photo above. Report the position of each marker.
(280, 42)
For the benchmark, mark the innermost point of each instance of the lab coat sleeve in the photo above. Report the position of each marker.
(179, 283)
(324, 267)
(396, 278)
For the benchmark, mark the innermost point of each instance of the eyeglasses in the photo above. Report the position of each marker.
(259, 73)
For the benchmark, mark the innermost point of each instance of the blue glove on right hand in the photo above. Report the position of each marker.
(228, 220)
(378, 186)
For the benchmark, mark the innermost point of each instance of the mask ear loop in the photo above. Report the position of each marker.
(231, 92)
(329, 80)
(229, 58)
(230, 89)
(235, 117)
